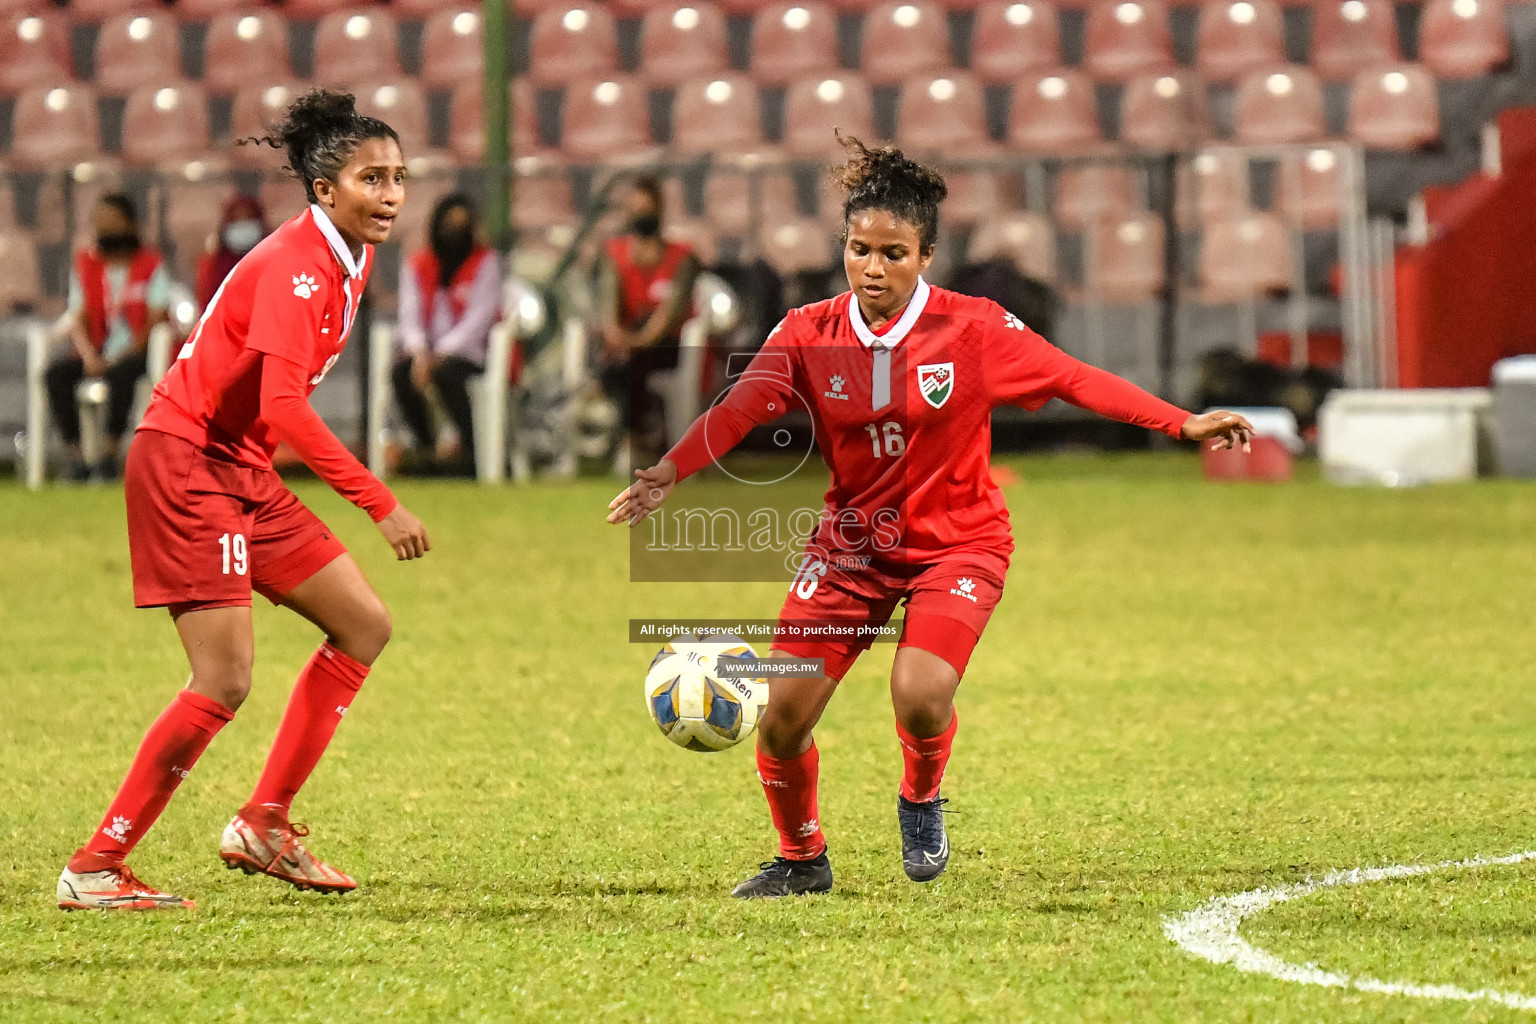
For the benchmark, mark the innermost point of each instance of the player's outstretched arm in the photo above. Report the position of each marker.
(1227, 428)
(641, 498)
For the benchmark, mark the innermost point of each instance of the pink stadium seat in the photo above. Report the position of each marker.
(1213, 186)
(791, 41)
(165, 124)
(355, 46)
(451, 48)
(1245, 257)
(605, 119)
(816, 106)
(254, 110)
(795, 246)
(717, 114)
(1284, 104)
(1126, 260)
(402, 104)
(1164, 111)
(466, 122)
(1127, 38)
(192, 212)
(54, 126)
(1239, 36)
(284, 200)
(315, 10)
(681, 41)
(245, 47)
(1012, 38)
(904, 39)
(1349, 36)
(1023, 238)
(533, 8)
(942, 114)
(36, 52)
(1394, 107)
(728, 201)
(91, 12)
(1310, 191)
(198, 11)
(413, 10)
(1088, 193)
(1053, 110)
(1463, 38)
(21, 286)
(541, 196)
(134, 50)
(568, 44)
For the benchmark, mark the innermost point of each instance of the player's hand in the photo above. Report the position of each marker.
(421, 370)
(405, 534)
(645, 495)
(95, 366)
(1228, 428)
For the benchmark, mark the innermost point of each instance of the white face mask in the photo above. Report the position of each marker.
(242, 235)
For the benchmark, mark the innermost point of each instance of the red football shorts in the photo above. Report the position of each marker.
(205, 532)
(948, 604)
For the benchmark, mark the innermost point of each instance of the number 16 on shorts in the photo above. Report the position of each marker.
(236, 558)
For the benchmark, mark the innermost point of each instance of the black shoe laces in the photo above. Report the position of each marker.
(930, 821)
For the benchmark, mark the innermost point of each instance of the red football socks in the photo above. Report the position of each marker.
(320, 698)
(924, 761)
(169, 750)
(790, 785)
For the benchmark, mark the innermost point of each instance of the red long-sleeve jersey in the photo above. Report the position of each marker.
(272, 331)
(903, 418)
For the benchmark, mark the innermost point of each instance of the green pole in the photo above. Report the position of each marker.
(498, 116)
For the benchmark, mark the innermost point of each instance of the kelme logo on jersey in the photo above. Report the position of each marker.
(937, 382)
(835, 382)
(304, 286)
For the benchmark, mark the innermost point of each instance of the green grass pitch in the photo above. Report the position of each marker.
(1189, 690)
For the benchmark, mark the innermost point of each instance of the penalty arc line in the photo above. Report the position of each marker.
(1210, 932)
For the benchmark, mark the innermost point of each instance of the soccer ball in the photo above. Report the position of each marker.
(696, 706)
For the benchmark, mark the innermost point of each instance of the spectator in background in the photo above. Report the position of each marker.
(118, 291)
(645, 295)
(243, 224)
(450, 298)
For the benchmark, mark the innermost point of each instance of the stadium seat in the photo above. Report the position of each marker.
(791, 41)
(93, 12)
(21, 286)
(696, 233)
(1394, 107)
(814, 108)
(534, 8)
(605, 119)
(1127, 38)
(1349, 36)
(568, 44)
(942, 115)
(1310, 191)
(37, 52)
(54, 126)
(717, 115)
(541, 195)
(423, 10)
(1213, 186)
(202, 11)
(242, 48)
(797, 246)
(1281, 105)
(1239, 36)
(402, 104)
(355, 46)
(1012, 38)
(192, 213)
(1245, 257)
(1088, 193)
(1024, 239)
(682, 41)
(254, 109)
(315, 10)
(134, 50)
(284, 200)
(1164, 111)
(466, 122)
(451, 48)
(1463, 38)
(904, 39)
(1054, 110)
(1126, 260)
(728, 200)
(165, 124)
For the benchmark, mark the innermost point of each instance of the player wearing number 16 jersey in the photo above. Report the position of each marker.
(900, 380)
(209, 521)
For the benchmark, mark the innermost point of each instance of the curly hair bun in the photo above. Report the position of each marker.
(320, 131)
(885, 178)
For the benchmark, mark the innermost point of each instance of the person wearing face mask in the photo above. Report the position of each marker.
(118, 291)
(450, 298)
(243, 224)
(645, 295)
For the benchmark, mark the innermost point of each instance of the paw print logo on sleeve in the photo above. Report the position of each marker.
(304, 286)
(1012, 321)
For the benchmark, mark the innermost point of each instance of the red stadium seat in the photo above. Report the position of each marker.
(568, 44)
(91, 12)
(905, 39)
(1284, 104)
(605, 119)
(1394, 107)
(1310, 191)
(355, 46)
(1245, 257)
(1463, 38)
(402, 104)
(728, 200)
(1349, 36)
(1013, 38)
(791, 41)
(54, 126)
(1164, 111)
(717, 115)
(1239, 36)
(680, 41)
(797, 246)
(255, 109)
(198, 11)
(315, 10)
(134, 50)
(1054, 110)
(466, 122)
(451, 48)
(942, 115)
(36, 52)
(21, 286)
(165, 124)
(242, 48)
(1127, 39)
(1125, 259)
(1025, 239)
(815, 107)
(1088, 193)
(412, 10)
(1213, 186)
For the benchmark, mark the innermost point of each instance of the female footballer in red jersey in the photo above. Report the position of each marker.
(209, 520)
(901, 380)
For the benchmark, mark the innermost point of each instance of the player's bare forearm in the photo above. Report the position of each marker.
(1228, 429)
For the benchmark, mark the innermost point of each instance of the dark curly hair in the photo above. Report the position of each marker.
(321, 130)
(887, 179)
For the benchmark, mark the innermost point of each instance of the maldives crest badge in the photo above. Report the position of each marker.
(937, 382)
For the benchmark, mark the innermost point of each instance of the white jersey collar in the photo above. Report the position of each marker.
(338, 246)
(891, 338)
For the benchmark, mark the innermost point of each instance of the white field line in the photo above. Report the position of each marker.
(1210, 931)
